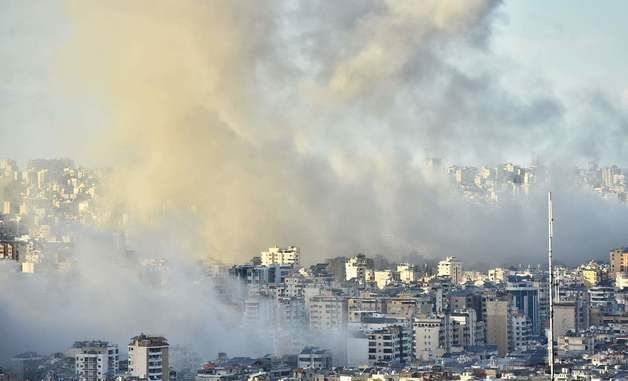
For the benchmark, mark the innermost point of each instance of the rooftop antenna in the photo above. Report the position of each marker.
(550, 344)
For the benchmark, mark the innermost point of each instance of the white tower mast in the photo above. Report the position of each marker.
(550, 344)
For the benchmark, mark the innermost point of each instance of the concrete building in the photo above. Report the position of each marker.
(148, 358)
(95, 360)
(290, 256)
(576, 343)
(619, 260)
(383, 278)
(407, 273)
(525, 297)
(359, 267)
(521, 331)
(591, 274)
(621, 280)
(565, 318)
(603, 298)
(463, 329)
(452, 268)
(498, 274)
(327, 312)
(427, 338)
(9, 249)
(390, 346)
(314, 358)
(498, 325)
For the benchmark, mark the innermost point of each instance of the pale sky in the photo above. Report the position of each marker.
(567, 45)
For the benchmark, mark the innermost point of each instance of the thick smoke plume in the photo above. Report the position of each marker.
(108, 293)
(271, 123)
(306, 123)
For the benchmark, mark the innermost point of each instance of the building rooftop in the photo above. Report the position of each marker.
(144, 340)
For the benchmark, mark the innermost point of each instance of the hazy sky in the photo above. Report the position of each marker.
(567, 45)
(571, 44)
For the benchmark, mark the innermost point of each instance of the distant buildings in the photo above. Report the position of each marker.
(359, 268)
(290, 255)
(452, 268)
(619, 260)
(392, 319)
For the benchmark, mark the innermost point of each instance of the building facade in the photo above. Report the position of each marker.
(148, 358)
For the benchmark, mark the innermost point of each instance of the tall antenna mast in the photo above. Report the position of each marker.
(550, 344)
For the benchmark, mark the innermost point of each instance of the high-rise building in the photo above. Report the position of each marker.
(327, 312)
(95, 360)
(290, 255)
(525, 297)
(521, 331)
(148, 358)
(390, 345)
(619, 260)
(427, 338)
(498, 325)
(463, 329)
(451, 267)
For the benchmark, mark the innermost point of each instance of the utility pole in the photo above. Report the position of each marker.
(550, 344)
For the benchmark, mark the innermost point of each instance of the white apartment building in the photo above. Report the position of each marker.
(621, 280)
(451, 267)
(95, 360)
(327, 312)
(427, 333)
(359, 267)
(383, 278)
(407, 273)
(290, 255)
(498, 274)
(148, 358)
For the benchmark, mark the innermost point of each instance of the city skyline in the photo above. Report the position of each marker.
(354, 190)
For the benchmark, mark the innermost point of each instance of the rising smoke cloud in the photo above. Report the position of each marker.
(306, 123)
(303, 123)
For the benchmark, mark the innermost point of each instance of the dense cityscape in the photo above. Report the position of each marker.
(355, 317)
(354, 190)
